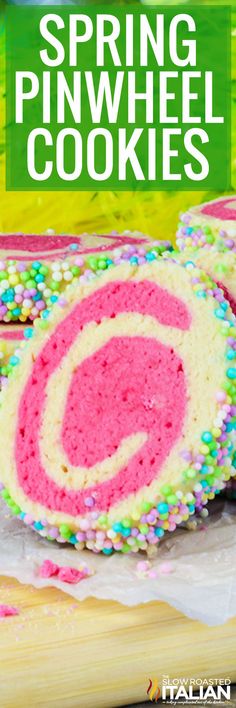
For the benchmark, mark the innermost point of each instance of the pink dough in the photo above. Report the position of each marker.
(220, 209)
(130, 385)
(64, 573)
(34, 245)
(8, 611)
(48, 569)
(141, 376)
(16, 333)
(71, 575)
(228, 295)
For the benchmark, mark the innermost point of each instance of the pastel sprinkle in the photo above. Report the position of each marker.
(165, 568)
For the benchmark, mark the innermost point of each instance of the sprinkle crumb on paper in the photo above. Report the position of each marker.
(8, 611)
(48, 569)
(64, 573)
(201, 584)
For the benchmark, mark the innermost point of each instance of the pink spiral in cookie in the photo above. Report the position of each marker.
(29, 247)
(223, 209)
(12, 334)
(129, 385)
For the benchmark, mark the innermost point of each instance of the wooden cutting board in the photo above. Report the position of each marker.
(59, 653)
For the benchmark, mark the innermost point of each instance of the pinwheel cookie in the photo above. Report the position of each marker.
(207, 236)
(114, 426)
(35, 270)
(212, 223)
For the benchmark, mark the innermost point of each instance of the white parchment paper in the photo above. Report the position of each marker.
(202, 564)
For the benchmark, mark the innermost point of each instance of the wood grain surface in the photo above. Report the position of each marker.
(59, 653)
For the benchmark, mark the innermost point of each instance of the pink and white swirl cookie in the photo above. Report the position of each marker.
(207, 236)
(113, 429)
(34, 270)
(212, 223)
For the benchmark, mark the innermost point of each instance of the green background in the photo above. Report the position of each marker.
(213, 53)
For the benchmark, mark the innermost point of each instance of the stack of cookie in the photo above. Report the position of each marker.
(206, 237)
